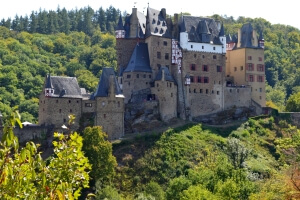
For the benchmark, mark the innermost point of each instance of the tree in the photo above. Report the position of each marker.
(196, 192)
(99, 151)
(25, 175)
(293, 103)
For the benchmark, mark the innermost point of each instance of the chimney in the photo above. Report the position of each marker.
(163, 12)
(134, 12)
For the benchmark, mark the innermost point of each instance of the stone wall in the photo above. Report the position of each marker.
(110, 115)
(135, 81)
(56, 110)
(237, 97)
(166, 94)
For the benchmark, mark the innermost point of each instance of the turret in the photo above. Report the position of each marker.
(222, 38)
(261, 41)
(49, 89)
(120, 31)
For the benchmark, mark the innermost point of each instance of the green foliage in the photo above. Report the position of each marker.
(293, 103)
(155, 190)
(197, 192)
(25, 175)
(99, 151)
(108, 193)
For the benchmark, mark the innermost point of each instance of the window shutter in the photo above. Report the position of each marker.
(202, 79)
(247, 66)
(263, 79)
(207, 79)
(263, 68)
(207, 68)
(202, 67)
(195, 79)
(191, 67)
(221, 68)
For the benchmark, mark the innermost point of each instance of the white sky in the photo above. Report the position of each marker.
(282, 12)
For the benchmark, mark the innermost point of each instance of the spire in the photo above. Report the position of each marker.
(49, 89)
(222, 32)
(261, 40)
(120, 24)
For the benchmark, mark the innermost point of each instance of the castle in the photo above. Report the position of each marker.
(187, 67)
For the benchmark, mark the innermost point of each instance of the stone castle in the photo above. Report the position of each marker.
(181, 68)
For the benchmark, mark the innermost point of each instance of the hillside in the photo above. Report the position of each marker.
(253, 161)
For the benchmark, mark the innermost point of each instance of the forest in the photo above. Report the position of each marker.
(256, 159)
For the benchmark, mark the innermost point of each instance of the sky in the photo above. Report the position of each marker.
(276, 11)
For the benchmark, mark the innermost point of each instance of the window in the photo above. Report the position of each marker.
(212, 92)
(69, 101)
(202, 47)
(259, 58)
(88, 105)
(191, 46)
(242, 68)
(214, 57)
(59, 110)
(144, 75)
(171, 94)
(137, 76)
(218, 92)
(128, 76)
(250, 78)
(203, 56)
(149, 76)
(214, 48)
(250, 67)
(193, 67)
(165, 43)
(206, 80)
(235, 69)
(65, 120)
(77, 101)
(158, 55)
(104, 116)
(192, 79)
(201, 90)
(249, 57)
(206, 91)
(56, 101)
(199, 79)
(219, 68)
(167, 56)
(158, 66)
(260, 89)
(205, 68)
(70, 110)
(194, 90)
(260, 68)
(118, 104)
(260, 79)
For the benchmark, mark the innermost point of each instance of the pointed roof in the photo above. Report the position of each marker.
(139, 61)
(120, 24)
(202, 27)
(48, 82)
(64, 86)
(222, 32)
(104, 83)
(168, 76)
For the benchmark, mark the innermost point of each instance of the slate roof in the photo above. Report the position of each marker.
(201, 29)
(64, 86)
(139, 61)
(142, 25)
(168, 76)
(104, 84)
(156, 23)
(48, 82)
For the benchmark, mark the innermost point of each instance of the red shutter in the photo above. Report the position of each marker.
(207, 79)
(257, 67)
(195, 79)
(263, 68)
(263, 79)
(247, 66)
(221, 68)
(202, 79)
(202, 67)
(190, 66)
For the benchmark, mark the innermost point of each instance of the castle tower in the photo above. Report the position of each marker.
(165, 91)
(261, 40)
(60, 97)
(109, 105)
(245, 64)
